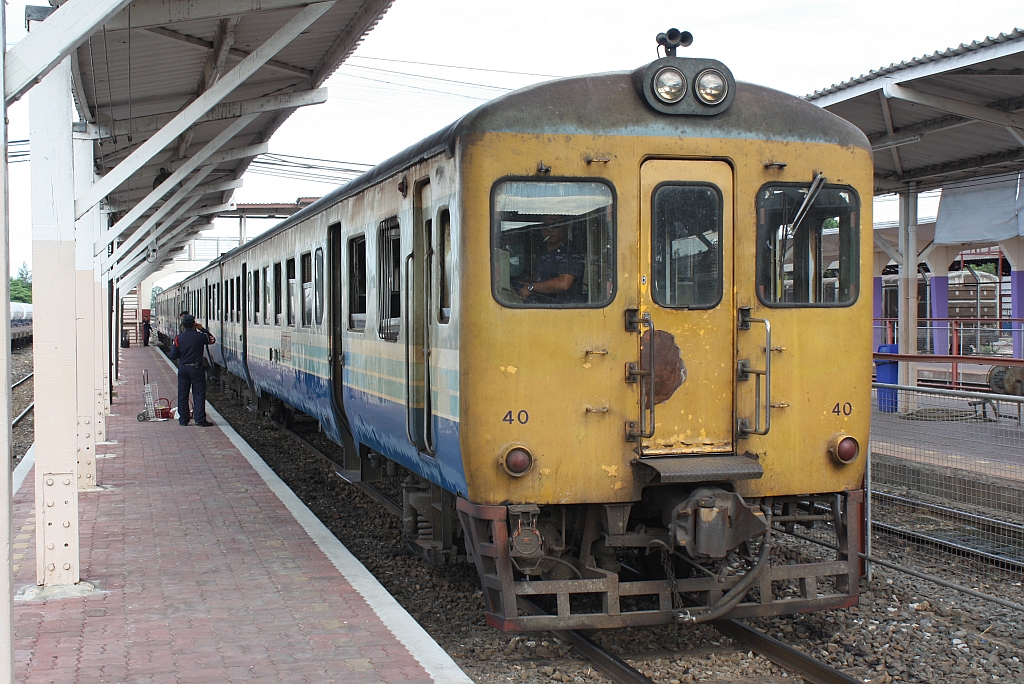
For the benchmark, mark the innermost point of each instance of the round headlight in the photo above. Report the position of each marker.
(669, 85)
(711, 87)
(843, 448)
(517, 461)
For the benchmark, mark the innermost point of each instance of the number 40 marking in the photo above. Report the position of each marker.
(522, 418)
(846, 409)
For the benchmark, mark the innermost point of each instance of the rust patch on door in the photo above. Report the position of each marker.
(669, 369)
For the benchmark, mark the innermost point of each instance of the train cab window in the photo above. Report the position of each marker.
(318, 284)
(685, 237)
(444, 265)
(389, 273)
(290, 299)
(553, 243)
(357, 283)
(306, 271)
(256, 295)
(277, 294)
(266, 295)
(807, 245)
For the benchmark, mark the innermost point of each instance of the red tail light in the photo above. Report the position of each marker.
(517, 461)
(843, 448)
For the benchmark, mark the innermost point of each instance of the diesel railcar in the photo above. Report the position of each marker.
(614, 327)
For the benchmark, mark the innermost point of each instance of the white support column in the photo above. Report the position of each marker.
(908, 283)
(241, 228)
(53, 259)
(85, 237)
(6, 514)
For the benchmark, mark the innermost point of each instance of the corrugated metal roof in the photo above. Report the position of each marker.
(136, 67)
(963, 48)
(940, 142)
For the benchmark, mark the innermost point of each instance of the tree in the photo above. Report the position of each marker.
(20, 292)
(152, 300)
(21, 286)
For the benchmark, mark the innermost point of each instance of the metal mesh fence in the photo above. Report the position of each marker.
(947, 474)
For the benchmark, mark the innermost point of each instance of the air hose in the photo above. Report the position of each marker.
(736, 594)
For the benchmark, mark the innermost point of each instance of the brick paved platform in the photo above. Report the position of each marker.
(207, 569)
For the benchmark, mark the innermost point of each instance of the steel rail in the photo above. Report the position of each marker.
(610, 665)
(23, 380)
(913, 573)
(23, 414)
(960, 550)
(952, 514)
(365, 487)
(783, 655)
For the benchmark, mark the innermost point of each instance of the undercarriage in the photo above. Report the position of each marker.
(615, 565)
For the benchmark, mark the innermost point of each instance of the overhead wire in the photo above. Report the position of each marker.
(452, 66)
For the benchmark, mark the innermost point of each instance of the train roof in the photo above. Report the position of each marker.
(605, 104)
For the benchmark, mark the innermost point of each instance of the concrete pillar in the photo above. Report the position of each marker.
(1013, 249)
(6, 514)
(86, 232)
(938, 262)
(908, 283)
(54, 328)
(880, 333)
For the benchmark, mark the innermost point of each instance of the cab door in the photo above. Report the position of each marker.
(686, 322)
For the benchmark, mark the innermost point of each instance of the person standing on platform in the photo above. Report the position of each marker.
(147, 330)
(188, 348)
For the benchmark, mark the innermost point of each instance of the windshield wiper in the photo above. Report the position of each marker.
(812, 194)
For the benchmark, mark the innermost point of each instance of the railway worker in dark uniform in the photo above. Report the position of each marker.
(188, 348)
(147, 330)
(558, 274)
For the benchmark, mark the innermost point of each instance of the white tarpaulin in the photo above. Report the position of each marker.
(980, 211)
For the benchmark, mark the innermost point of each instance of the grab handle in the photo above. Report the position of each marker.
(407, 324)
(643, 374)
(743, 372)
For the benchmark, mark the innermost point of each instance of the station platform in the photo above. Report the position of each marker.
(205, 568)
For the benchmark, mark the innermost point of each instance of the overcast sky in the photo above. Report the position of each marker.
(377, 107)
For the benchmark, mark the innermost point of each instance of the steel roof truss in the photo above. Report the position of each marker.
(46, 46)
(213, 68)
(177, 177)
(148, 13)
(202, 104)
(952, 106)
(233, 52)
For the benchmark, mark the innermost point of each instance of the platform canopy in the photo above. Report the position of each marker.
(950, 116)
(179, 97)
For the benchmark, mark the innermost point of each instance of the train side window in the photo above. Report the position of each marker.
(238, 298)
(290, 299)
(357, 283)
(306, 271)
(389, 276)
(277, 294)
(553, 243)
(266, 295)
(686, 234)
(256, 295)
(807, 245)
(444, 265)
(229, 300)
(318, 285)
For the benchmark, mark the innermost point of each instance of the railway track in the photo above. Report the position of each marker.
(984, 539)
(29, 408)
(613, 667)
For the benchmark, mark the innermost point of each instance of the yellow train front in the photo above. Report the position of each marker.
(665, 337)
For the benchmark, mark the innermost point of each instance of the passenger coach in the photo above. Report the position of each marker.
(614, 324)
